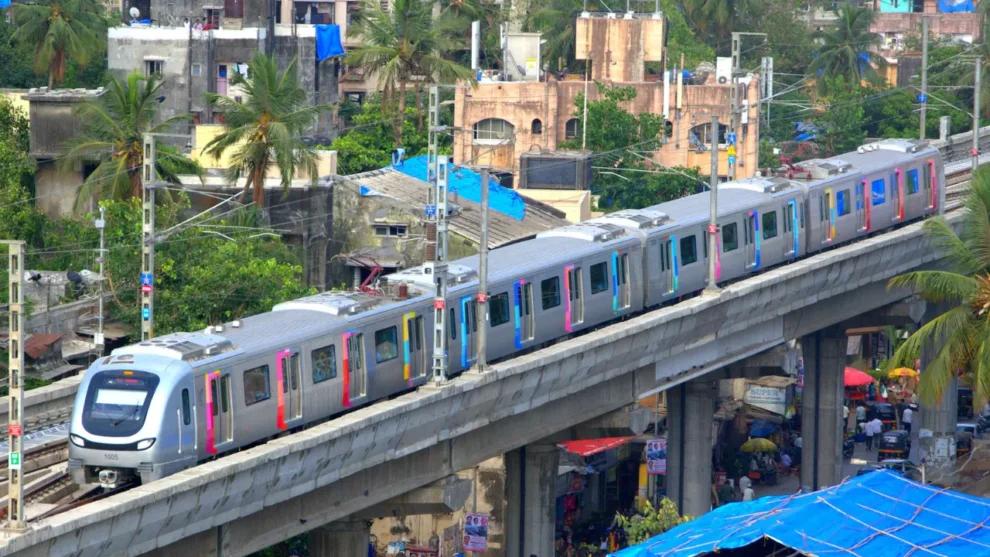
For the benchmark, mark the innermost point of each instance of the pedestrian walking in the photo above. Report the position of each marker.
(748, 494)
(860, 414)
(845, 417)
(869, 436)
(906, 418)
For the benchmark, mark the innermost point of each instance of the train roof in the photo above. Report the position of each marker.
(865, 160)
(693, 209)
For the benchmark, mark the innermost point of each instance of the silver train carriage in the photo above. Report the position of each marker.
(160, 406)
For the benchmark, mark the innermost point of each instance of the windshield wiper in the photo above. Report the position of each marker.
(127, 417)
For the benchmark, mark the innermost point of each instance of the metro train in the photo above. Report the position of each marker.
(159, 406)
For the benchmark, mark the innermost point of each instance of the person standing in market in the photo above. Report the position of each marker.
(906, 418)
(845, 416)
(869, 435)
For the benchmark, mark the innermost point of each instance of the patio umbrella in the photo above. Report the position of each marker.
(903, 372)
(758, 445)
(856, 378)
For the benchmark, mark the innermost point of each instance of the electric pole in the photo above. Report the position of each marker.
(735, 104)
(482, 312)
(713, 212)
(100, 224)
(149, 181)
(436, 236)
(976, 112)
(15, 380)
(924, 74)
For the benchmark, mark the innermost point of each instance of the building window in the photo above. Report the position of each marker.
(550, 289)
(599, 278)
(700, 136)
(571, 128)
(356, 98)
(730, 237)
(256, 387)
(324, 364)
(152, 68)
(391, 230)
(197, 69)
(386, 345)
(498, 309)
(537, 127)
(493, 129)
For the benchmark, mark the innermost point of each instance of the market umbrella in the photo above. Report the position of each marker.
(856, 378)
(758, 445)
(903, 372)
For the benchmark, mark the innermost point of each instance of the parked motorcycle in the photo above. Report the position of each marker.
(848, 446)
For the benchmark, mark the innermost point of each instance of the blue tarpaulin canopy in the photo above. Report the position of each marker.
(953, 6)
(467, 184)
(328, 42)
(762, 428)
(879, 514)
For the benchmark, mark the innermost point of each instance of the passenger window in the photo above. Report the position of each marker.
(689, 250)
(842, 202)
(913, 185)
(879, 192)
(499, 309)
(730, 237)
(769, 225)
(474, 316)
(387, 344)
(452, 326)
(550, 292)
(186, 418)
(599, 278)
(324, 364)
(256, 387)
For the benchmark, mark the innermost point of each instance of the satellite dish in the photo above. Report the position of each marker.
(135, 13)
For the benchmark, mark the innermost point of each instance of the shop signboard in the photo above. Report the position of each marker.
(773, 399)
(656, 457)
(476, 532)
(601, 461)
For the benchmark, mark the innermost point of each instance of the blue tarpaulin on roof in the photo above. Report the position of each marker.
(879, 514)
(954, 6)
(4, 3)
(467, 184)
(328, 42)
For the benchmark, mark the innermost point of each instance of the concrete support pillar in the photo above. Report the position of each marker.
(690, 415)
(824, 355)
(345, 538)
(531, 482)
(936, 436)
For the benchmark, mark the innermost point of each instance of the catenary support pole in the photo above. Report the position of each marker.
(924, 74)
(482, 311)
(15, 366)
(976, 112)
(100, 224)
(149, 178)
(713, 212)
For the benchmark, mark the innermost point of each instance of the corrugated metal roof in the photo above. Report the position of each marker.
(502, 229)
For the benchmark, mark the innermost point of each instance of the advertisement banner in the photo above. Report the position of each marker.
(656, 457)
(476, 532)
(773, 399)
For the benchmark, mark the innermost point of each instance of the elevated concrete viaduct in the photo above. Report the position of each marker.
(253, 499)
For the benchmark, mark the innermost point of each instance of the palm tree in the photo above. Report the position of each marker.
(557, 19)
(58, 29)
(113, 129)
(406, 43)
(715, 17)
(849, 48)
(961, 336)
(265, 130)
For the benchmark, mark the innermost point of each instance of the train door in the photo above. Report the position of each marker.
(751, 232)
(575, 298)
(414, 352)
(184, 420)
(792, 245)
(624, 291)
(668, 266)
(926, 184)
(826, 231)
(897, 195)
(862, 207)
(288, 376)
(355, 371)
(219, 411)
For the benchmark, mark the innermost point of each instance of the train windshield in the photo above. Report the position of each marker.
(117, 402)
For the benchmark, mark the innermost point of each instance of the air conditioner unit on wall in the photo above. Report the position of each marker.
(723, 70)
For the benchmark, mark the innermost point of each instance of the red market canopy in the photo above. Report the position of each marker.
(588, 447)
(856, 378)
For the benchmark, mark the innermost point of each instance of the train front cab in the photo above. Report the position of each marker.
(133, 418)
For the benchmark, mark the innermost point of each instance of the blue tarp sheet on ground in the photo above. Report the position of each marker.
(328, 42)
(953, 6)
(880, 514)
(467, 184)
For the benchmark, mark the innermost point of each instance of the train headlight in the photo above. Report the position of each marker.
(146, 444)
(77, 441)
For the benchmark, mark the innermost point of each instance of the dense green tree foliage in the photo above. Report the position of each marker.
(59, 30)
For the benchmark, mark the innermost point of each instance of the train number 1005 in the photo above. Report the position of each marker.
(111, 456)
